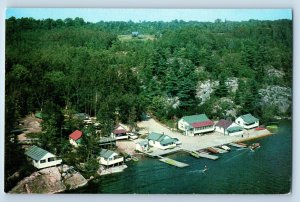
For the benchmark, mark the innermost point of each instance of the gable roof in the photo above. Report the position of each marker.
(77, 134)
(36, 153)
(162, 138)
(154, 136)
(234, 129)
(248, 118)
(202, 124)
(195, 118)
(120, 128)
(224, 123)
(167, 141)
(105, 153)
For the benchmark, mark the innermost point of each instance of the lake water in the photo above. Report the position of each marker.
(267, 170)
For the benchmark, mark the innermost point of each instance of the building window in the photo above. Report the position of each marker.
(51, 159)
(43, 161)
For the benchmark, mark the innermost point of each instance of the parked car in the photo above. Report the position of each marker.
(132, 136)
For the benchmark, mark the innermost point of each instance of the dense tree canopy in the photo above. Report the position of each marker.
(73, 65)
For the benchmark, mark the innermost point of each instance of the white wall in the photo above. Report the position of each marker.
(40, 165)
(241, 122)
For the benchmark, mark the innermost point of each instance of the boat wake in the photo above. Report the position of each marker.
(198, 171)
(245, 150)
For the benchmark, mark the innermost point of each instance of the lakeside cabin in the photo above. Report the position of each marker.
(135, 34)
(120, 132)
(42, 158)
(75, 138)
(247, 121)
(227, 127)
(161, 141)
(195, 124)
(109, 158)
(142, 146)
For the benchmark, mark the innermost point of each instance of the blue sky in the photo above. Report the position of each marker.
(136, 15)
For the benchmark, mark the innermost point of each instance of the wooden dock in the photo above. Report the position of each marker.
(237, 145)
(173, 162)
(208, 156)
(203, 155)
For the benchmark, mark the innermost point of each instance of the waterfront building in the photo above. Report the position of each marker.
(161, 141)
(247, 121)
(227, 127)
(120, 132)
(142, 146)
(195, 124)
(42, 158)
(110, 162)
(75, 138)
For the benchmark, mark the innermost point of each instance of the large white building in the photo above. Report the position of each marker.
(247, 121)
(42, 158)
(195, 124)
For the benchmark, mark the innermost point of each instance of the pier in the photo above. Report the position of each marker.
(173, 162)
(203, 155)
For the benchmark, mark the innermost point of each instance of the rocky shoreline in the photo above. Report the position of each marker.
(50, 180)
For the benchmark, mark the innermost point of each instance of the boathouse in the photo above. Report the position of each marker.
(161, 141)
(227, 127)
(247, 121)
(109, 158)
(195, 124)
(142, 146)
(75, 138)
(42, 158)
(120, 132)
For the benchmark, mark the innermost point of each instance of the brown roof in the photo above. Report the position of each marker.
(224, 123)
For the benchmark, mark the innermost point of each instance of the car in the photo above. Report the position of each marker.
(177, 141)
(132, 136)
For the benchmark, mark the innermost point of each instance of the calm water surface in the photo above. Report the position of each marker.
(265, 171)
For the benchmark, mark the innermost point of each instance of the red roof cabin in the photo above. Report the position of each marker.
(120, 132)
(75, 138)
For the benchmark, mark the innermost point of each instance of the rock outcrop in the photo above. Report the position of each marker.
(50, 180)
(278, 96)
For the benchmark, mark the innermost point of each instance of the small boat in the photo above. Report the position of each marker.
(212, 150)
(240, 143)
(134, 158)
(194, 154)
(254, 146)
(225, 147)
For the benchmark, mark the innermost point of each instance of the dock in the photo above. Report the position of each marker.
(237, 145)
(173, 162)
(203, 155)
(208, 156)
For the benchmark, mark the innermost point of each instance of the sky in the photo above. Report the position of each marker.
(136, 15)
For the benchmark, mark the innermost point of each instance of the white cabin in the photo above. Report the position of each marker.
(110, 158)
(161, 141)
(142, 146)
(42, 158)
(247, 121)
(227, 127)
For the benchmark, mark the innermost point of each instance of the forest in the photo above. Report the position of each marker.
(171, 69)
